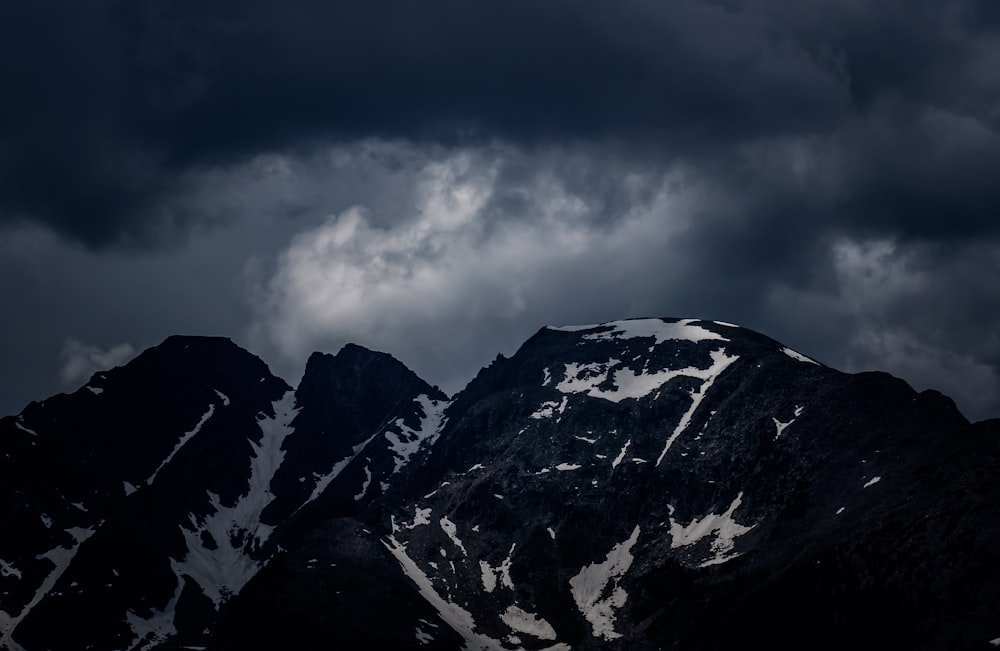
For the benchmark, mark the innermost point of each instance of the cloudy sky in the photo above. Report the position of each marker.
(440, 179)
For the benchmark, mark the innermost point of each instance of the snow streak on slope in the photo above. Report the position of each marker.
(184, 439)
(223, 567)
(720, 362)
(621, 455)
(322, 481)
(407, 441)
(458, 618)
(590, 585)
(798, 356)
(18, 425)
(725, 529)
(454, 615)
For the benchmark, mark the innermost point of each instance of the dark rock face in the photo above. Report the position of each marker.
(115, 484)
(641, 484)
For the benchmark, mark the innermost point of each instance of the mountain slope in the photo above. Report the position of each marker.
(624, 484)
(102, 477)
(646, 484)
(147, 499)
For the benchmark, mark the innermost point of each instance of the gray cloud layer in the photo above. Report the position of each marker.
(441, 179)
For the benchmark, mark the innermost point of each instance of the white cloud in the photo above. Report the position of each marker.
(80, 360)
(455, 278)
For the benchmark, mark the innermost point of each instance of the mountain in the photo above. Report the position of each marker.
(640, 484)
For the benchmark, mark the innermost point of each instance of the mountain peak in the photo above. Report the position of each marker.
(355, 370)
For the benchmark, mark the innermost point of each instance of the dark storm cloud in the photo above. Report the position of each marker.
(109, 103)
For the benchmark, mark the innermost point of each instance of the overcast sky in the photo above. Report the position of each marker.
(439, 179)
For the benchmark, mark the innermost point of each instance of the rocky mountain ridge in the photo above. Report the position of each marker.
(646, 484)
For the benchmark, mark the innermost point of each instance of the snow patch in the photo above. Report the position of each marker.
(488, 576)
(588, 378)
(365, 484)
(725, 529)
(236, 529)
(780, 427)
(682, 330)
(549, 409)
(578, 378)
(129, 488)
(547, 377)
(501, 573)
(872, 481)
(568, 466)
(407, 440)
(573, 328)
(589, 586)
(150, 631)
(420, 517)
(423, 637)
(584, 438)
(521, 621)
(223, 397)
(95, 390)
(621, 455)
(451, 530)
